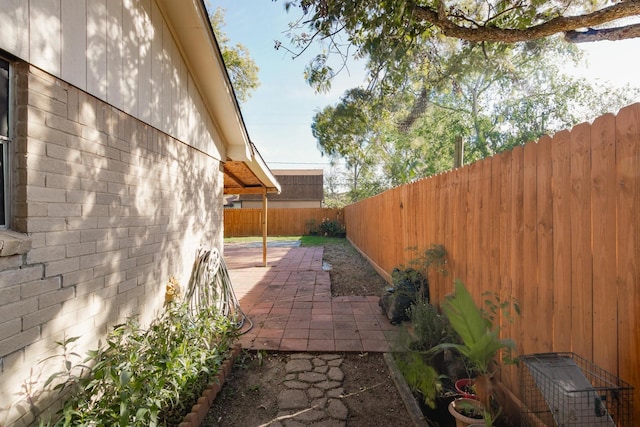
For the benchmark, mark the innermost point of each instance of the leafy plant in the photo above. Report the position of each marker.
(145, 377)
(330, 228)
(480, 339)
(469, 409)
(420, 376)
(433, 256)
(430, 327)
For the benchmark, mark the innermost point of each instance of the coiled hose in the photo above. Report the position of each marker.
(210, 286)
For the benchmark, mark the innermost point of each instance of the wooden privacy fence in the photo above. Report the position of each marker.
(280, 221)
(555, 224)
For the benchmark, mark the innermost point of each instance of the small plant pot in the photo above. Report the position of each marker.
(459, 409)
(464, 387)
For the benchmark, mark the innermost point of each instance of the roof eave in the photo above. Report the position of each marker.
(189, 23)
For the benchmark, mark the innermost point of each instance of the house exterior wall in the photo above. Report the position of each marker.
(117, 181)
(111, 212)
(120, 51)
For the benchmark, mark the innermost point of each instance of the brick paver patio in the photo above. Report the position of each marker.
(290, 308)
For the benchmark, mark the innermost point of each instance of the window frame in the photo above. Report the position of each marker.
(6, 142)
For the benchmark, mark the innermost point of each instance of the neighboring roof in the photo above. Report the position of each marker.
(283, 172)
(190, 26)
(297, 185)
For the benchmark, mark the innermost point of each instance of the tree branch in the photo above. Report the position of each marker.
(611, 34)
(560, 24)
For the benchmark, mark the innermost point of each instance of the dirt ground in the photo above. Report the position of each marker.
(248, 397)
(350, 273)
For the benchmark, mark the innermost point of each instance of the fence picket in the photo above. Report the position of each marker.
(628, 250)
(544, 236)
(581, 258)
(561, 171)
(603, 198)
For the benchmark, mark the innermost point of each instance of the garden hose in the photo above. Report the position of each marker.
(210, 286)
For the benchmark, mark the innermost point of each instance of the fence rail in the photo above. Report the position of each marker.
(555, 224)
(280, 221)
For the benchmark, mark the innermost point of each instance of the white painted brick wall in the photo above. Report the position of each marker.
(112, 208)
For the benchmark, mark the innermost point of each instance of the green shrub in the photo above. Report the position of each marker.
(330, 228)
(430, 327)
(146, 377)
(420, 376)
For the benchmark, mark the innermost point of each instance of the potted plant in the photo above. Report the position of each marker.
(468, 412)
(481, 340)
(466, 388)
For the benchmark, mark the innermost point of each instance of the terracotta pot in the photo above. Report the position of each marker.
(462, 387)
(463, 420)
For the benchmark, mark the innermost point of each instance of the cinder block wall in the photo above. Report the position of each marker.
(112, 207)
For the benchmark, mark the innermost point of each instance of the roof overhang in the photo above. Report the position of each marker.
(249, 177)
(188, 21)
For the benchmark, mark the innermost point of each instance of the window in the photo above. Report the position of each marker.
(4, 143)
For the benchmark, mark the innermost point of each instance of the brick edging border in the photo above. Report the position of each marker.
(201, 408)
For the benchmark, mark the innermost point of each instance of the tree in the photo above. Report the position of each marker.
(484, 71)
(335, 188)
(347, 130)
(385, 31)
(494, 97)
(242, 70)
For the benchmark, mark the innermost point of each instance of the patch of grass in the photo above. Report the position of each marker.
(322, 241)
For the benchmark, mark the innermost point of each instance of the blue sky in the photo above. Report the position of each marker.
(279, 114)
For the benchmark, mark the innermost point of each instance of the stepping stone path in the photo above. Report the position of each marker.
(314, 392)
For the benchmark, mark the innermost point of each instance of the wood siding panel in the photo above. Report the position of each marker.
(115, 58)
(145, 41)
(131, 40)
(13, 20)
(157, 63)
(45, 44)
(97, 48)
(74, 65)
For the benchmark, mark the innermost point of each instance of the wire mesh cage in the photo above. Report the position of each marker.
(564, 389)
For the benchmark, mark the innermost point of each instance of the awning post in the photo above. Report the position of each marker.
(264, 229)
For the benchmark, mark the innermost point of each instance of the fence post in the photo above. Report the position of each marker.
(458, 155)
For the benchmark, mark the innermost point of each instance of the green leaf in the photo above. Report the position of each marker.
(463, 314)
